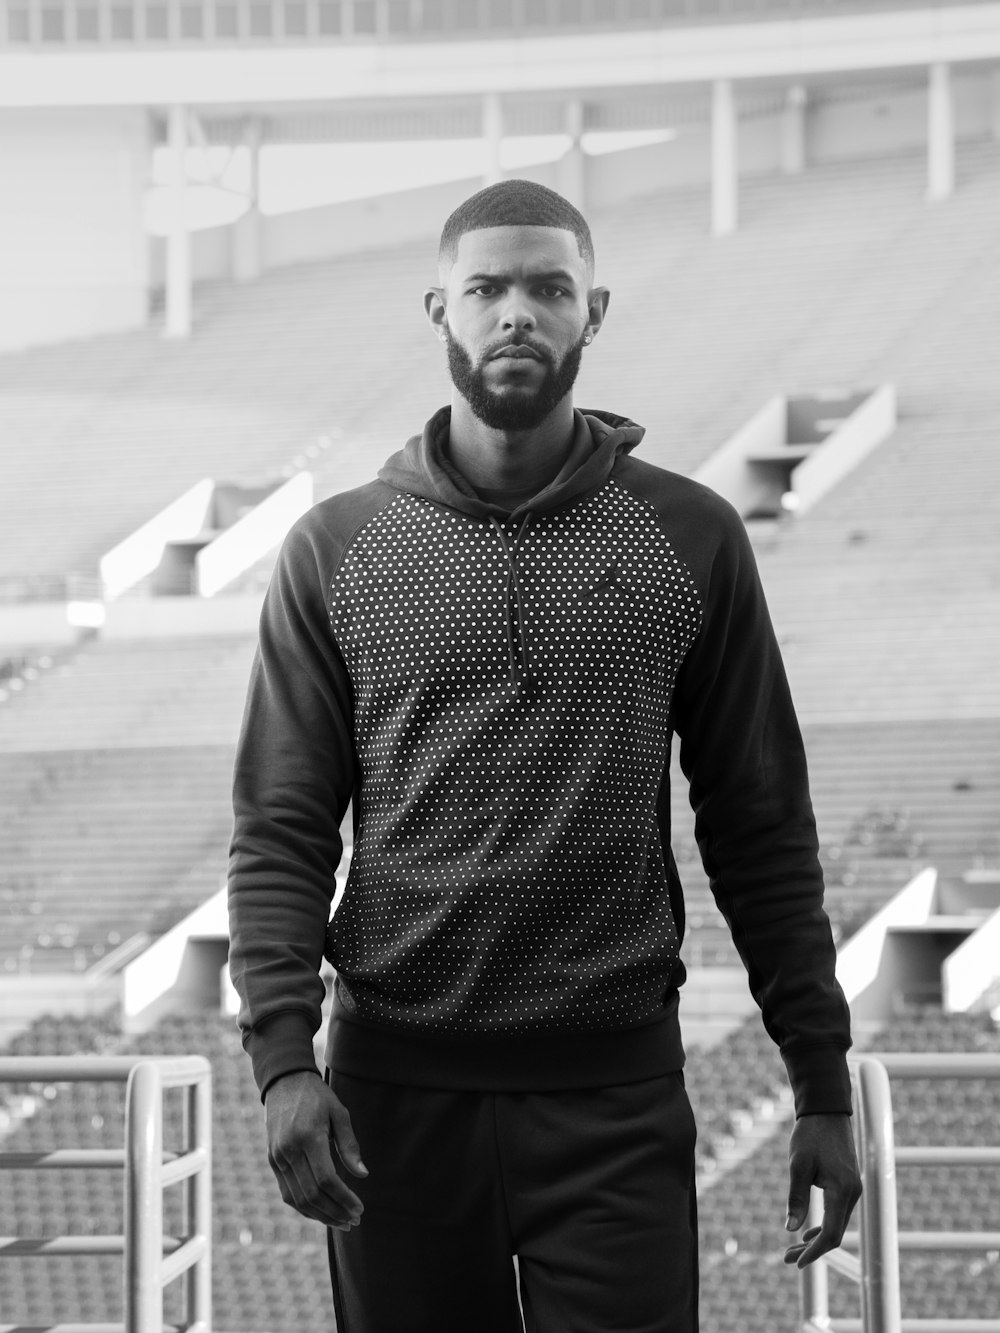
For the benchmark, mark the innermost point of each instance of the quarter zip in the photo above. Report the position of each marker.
(519, 664)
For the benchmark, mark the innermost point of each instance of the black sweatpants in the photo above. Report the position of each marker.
(592, 1189)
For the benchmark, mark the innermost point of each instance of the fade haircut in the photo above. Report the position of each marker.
(515, 203)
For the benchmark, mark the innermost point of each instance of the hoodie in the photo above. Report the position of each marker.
(496, 695)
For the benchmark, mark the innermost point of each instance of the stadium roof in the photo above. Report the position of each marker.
(86, 25)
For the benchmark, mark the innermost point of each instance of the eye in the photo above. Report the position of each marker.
(487, 287)
(553, 291)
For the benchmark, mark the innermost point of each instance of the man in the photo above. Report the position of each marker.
(489, 649)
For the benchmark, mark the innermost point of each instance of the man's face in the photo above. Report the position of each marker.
(516, 287)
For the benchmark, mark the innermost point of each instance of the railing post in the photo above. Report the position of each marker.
(198, 1115)
(143, 1200)
(880, 1302)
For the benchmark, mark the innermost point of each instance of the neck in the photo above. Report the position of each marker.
(515, 463)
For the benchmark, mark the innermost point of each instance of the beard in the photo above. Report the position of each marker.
(513, 409)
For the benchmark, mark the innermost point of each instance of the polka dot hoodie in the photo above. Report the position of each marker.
(496, 695)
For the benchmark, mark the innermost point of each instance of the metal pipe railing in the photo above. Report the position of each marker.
(878, 1238)
(151, 1260)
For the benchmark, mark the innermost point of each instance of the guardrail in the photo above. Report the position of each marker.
(151, 1260)
(879, 1240)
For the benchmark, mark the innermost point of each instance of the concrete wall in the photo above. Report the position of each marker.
(840, 131)
(74, 257)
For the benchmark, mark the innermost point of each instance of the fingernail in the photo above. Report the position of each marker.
(791, 1222)
(362, 1168)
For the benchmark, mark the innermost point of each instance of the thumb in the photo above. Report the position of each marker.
(798, 1196)
(344, 1138)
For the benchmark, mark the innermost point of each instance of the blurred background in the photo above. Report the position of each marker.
(217, 221)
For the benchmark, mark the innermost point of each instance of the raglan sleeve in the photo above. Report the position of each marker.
(742, 752)
(293, 780)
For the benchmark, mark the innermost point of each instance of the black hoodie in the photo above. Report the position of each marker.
(498, 694)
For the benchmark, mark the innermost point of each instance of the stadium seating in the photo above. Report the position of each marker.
(114, 794)
(114, 786)
(742, 1213)
(102, 844)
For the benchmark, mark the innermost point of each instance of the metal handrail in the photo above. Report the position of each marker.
(151, 1260)
(878, 1238)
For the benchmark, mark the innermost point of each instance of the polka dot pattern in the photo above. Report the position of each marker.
(508, 874)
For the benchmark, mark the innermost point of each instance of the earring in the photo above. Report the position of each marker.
(588, 338)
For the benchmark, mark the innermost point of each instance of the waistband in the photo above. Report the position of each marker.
(532, 1062)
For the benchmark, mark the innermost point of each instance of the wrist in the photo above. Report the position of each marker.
(289, 1079)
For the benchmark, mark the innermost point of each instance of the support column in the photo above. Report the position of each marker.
(493, 134)
(571, 173)
(724, 158)
(178, 275)
(940, 133)
(793, 131)
(247, 229)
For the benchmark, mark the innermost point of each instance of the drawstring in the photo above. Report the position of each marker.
(515, 607)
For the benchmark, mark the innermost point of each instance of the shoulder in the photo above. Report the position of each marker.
(696, 519)
(315, 544)
(322, 534)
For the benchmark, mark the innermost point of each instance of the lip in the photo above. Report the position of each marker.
(516, 352)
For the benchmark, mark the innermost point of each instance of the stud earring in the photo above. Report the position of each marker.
(588, 338)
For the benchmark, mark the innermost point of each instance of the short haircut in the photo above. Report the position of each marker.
(515, 203)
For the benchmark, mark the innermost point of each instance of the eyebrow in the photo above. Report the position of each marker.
(559, 273)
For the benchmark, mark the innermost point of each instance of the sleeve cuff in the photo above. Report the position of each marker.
(281, 1045)
(820, 1080)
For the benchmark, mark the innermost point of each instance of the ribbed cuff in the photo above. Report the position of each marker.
(282, 1045)
(821, 1082)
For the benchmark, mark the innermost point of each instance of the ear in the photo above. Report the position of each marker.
(597, 306)
(435, 306)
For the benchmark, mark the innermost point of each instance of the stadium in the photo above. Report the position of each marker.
(802, 240)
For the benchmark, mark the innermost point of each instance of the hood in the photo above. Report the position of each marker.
(422, 467)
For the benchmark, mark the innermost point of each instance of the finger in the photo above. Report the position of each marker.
(831, 1233)
(793, 1251)
(314, 1189)
(331, 1200)
(291, 1195)
(801, 1174)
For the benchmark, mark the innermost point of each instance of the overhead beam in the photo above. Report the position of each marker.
(783, 49)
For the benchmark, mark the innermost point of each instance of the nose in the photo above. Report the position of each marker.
(516, 316)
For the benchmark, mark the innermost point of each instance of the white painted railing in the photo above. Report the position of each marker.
(879, 1240)
(151, 1260)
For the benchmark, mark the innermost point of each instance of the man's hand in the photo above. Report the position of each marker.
(305, 1122)
(821, 1153)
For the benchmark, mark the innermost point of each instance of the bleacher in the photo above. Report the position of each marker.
(741, 1216)
(115, 806)
(269, 1263)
